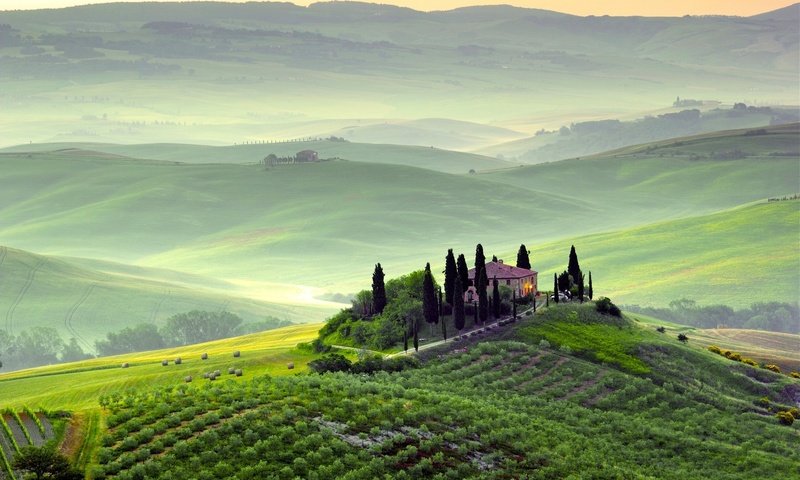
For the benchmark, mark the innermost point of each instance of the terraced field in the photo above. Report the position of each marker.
(22, 428)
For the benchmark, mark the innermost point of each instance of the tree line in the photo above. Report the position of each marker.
(770, 316)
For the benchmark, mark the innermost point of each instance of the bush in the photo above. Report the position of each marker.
(795, 374)
(714, 349)
(333, 362)
(544, 343)
(682, 338)
(606, 307)
(773, 368)
(785, 418)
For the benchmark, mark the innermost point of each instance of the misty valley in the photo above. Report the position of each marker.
(349, 240)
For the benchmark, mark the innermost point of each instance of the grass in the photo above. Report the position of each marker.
(764, 347)
(724, 258)
(603, 338)
(79, 385)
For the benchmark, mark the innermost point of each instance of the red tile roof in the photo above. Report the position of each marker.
(503, 271)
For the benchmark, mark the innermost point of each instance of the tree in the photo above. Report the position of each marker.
(591, 291)
(458, 306)
(463, 273)
(495, 298)
(574, 268)
(378, 290)
(430, 309)
(73, 352)
(555, 288)
(416, 335)
(199, 326)
(564, 281)
(144, 336)
(43, 463)
(580, 289)
(450, 273)
(332, 362)
(483, 296)
(363, 304)
(523, 260)
(480, 266)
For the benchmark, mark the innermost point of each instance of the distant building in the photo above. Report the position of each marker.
(306, 156)
(521, 280)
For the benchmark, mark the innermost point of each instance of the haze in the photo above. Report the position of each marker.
(577, 7)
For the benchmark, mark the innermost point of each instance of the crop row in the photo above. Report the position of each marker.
(17, 430)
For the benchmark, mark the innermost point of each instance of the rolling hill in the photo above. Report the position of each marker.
(567, 391)
(414, 156)
(86, 299)
(221, 73)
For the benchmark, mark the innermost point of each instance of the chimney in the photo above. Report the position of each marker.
(500, 261)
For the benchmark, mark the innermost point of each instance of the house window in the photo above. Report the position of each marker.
(508, 282)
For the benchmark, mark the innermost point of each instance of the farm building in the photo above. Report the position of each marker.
(306, 156)
(520, 280)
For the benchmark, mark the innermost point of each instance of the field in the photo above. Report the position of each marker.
(768, 347)
(79, 385)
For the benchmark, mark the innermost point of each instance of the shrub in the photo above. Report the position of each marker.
(785, 418)
(750, 362)
(606, 307)
(544, 343)
(795, 374)
(773, 368)
(714, 349)
(662, 330)
(682, 338)
(333, 362)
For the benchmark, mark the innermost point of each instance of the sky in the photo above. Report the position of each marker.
(579, 7)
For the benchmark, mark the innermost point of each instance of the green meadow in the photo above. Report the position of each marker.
(79, 385)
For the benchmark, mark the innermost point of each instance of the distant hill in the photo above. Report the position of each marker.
(423, 157)
(597, 136)
(223, 73)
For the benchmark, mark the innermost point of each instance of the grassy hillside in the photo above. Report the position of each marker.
(735, 258)
(87, 301)
(496, 409)
(674, 178)
(79, 385)
(415, 156)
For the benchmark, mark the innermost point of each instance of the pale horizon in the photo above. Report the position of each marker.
(653, 8)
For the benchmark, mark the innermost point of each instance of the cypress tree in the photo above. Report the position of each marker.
(378, 290)
(405, 338)
(440, 305)
(495, 298)
(429, 308)
(574, 269)
(458, 306)
(494, 258)
(480, 266)
(591, 292)
(555, 288)
(580, 289)
(450, 272)
(483, 297)
(523, 260)
(463, 273)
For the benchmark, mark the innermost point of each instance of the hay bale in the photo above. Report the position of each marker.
(231, 370)
(125, 365)
(178, 361)
(237, 354)
(164, 363)
(238, 372)
(212, 377)
(204, 356)
(217, 373)
(206, 375)
(290, 365)
(187, 378)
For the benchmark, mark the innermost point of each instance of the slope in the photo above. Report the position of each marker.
(79, 385)
(673, 178)
(509, 407)
(736, 258)
(85, 299)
